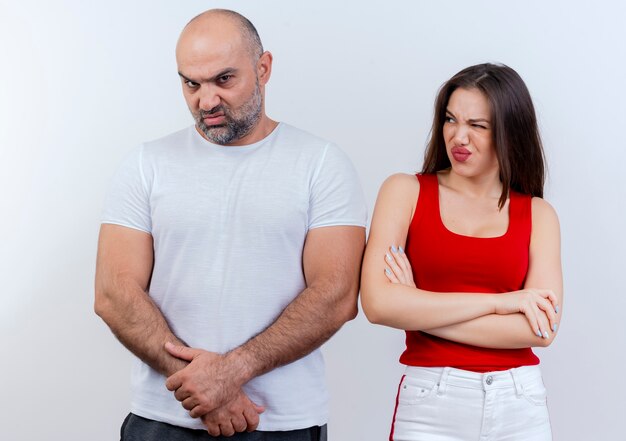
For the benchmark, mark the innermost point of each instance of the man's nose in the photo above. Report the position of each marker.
(209, 97)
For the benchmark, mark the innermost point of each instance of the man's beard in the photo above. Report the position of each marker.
(237, 123)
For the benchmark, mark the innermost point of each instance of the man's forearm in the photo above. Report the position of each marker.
(331, 261)
(309, 321)
(139, 325)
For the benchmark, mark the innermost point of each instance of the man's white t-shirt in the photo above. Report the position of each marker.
(229, 225)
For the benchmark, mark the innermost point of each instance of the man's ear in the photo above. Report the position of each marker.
(264, 67)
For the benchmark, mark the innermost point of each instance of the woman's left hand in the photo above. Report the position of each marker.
(398, 268)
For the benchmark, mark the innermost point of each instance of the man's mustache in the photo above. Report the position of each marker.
(216, 109)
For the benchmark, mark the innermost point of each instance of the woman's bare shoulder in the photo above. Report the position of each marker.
(398, 194)
(543, 209)
(543, 214)
(401, 182)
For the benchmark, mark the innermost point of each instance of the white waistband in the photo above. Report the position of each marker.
(515, 377)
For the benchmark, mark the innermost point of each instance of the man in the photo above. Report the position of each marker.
(228, 253)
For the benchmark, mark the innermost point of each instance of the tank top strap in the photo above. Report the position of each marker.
(428, 199)
(520, 215)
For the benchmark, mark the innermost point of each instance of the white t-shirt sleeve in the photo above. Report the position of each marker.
(127, 202)
(336, 194)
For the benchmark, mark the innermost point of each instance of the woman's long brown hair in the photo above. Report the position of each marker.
(514, 124)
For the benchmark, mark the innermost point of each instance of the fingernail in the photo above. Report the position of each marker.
(387, 271)
(545, 334)
(554, 327)
(394, 249)
(556, 309)
(401, 249)
(388, 257)
(538, 333)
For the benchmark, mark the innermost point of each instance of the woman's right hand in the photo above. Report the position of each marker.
(540, 306)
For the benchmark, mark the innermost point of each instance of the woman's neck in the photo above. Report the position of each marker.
(486, 186)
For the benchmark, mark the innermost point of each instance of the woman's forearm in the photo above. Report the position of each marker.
(494, 331)
(409, 308)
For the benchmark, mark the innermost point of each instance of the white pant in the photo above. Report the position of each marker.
(446, 404)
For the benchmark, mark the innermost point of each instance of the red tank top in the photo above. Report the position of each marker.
(444, 261)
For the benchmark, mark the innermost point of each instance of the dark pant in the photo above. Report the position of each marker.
(136, 428)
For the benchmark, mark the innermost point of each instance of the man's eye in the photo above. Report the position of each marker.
(224, 78)
(191, 84)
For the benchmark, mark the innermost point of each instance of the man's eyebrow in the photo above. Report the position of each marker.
(184, 77)
(226, 71)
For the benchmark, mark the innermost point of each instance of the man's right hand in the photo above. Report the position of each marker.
(238, 415)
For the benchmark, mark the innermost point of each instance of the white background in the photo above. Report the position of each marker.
(81, 83)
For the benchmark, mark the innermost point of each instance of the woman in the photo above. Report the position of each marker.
(480, 281)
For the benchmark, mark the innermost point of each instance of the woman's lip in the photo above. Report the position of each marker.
(461, 157)
(460, 154)
(460, 149)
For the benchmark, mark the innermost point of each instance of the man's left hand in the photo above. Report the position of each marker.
(208, 382)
